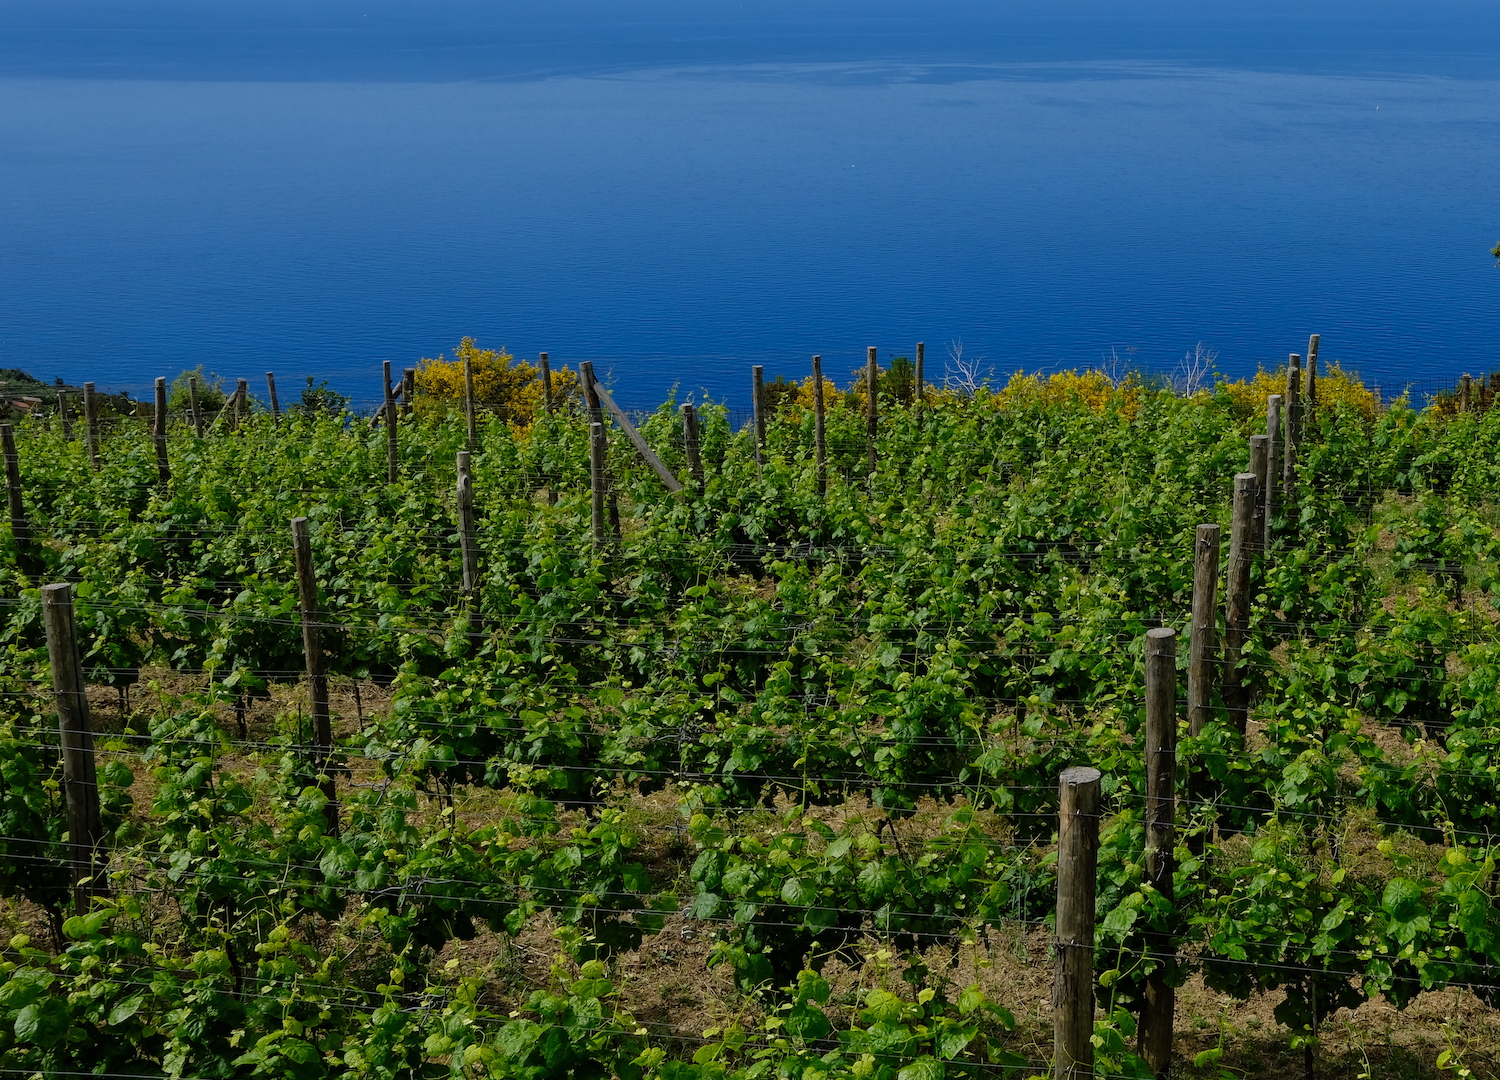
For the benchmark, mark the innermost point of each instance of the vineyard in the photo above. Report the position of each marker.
(534, 767)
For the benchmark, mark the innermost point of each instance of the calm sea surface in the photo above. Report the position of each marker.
(679, 200)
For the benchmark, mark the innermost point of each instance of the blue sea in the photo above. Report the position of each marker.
(677, 191)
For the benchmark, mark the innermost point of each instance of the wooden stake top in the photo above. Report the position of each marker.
(1080, 774)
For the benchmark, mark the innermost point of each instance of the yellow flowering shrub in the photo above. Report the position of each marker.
(511, 391)
(1335, 385)
(852, 398)
(1093, 390)
(832, 396)
(1483, 393)
(900, 391)
(895, 382)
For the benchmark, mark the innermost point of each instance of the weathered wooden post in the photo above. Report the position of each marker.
(758, 410)
(1073, 967)
(275, 402)
(80, 779)
(227, 413)
(690, 445)
(916, 394)
(872, 415)
(1464, 384)
(1203, 645)
(20, 528)
(1273, 467)
(1237, 598)
(820, 431)
(1260, 465)
(159, 436)
(545, 368)
(1310, 387)
(193, 413)
(1158, 1005)
(637, 440)
(91, 422)
(1293, 438)
(591, 392)
(392, 446)
(469, 420)
(596, 482)
(241, 400)
(467, 541)
(600, 439)
(317, 672)
(1203, 655)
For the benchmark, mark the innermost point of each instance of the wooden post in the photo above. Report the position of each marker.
(230, 413)
(872, 415)
(193, 412)
(237, 403)
(408, 390)
(91, 422)
(1293, 427)
(1203, 656)
(1237, 598)
(596, 481)
(547, 406)
(317, 673)
(591, 392)
(62, 413)
(1203, 645)
(1158, 1006)
(1073, 968)
(1310, 389)
(159, 433)
(758, 410)
(1464, 384)
(916, 394)
(820, 431)
(1260, 465)
(690, 444)
(1273, 467)
(392, 446)
(20, 528)
(275, 402)
(637, 440)
(469, 420)
(80, 781)
(599, 445)
(468, 543)
(230, 404)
